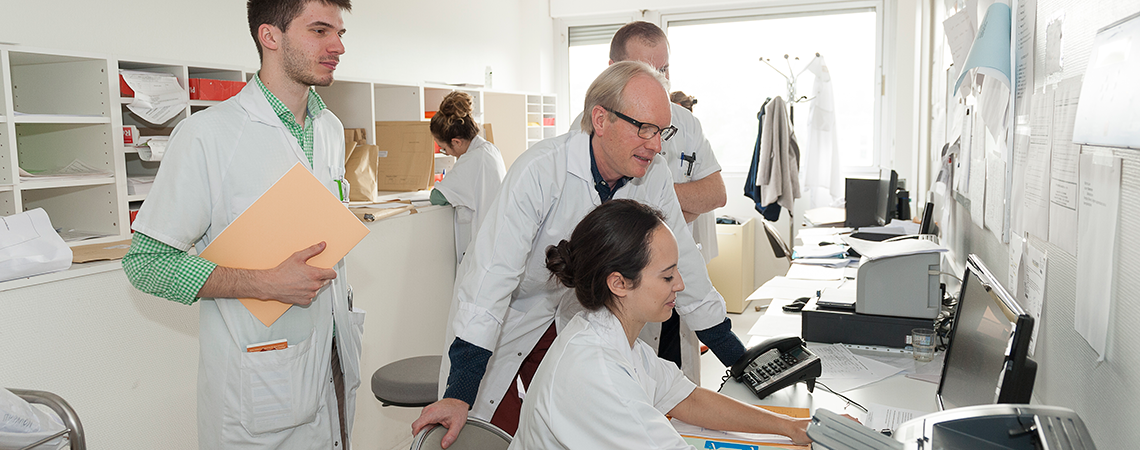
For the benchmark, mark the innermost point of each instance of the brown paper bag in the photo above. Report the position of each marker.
(360, 172)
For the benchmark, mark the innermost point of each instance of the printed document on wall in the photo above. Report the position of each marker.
(1026, 30)
(1063, 195)
(978, 153)
(1035, 267)
(1096, 247)
(1107, 114)
(989, 53)
(1031, 170)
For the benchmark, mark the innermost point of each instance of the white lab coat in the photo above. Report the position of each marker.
(823, 182)
(218, 163)
(690, 139)
(505, 299)
(592, 391)
(470, 186)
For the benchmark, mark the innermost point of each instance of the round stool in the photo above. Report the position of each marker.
(412, 382)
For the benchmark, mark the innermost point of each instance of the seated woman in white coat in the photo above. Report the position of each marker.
(599, 387)
(473, 181)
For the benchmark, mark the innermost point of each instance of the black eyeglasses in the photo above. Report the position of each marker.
(647, 130)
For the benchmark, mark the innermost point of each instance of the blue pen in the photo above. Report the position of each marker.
(682, 160)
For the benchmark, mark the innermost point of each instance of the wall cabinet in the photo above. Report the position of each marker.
(63, 110)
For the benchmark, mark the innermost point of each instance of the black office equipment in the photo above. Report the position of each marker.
(987, 359)
(831, 326)
(927, 225)
(776, 363)
(887, 202)
(862, 202)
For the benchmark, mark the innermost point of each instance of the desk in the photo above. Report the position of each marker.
(896, 391)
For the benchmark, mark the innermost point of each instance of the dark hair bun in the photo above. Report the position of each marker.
(560, 264)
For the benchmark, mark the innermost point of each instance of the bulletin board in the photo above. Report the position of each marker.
(1070, 373)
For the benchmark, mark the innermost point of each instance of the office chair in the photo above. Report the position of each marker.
(779, 248)
(411, 382)
(476, 435)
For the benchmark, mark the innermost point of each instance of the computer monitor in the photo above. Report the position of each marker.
(927, 224)
(887, 202)
(987, 359)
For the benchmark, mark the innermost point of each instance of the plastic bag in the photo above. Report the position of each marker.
(22, 424)
(29, 245)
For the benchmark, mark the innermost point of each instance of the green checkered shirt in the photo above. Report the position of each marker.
(304, 135)
(167, 272)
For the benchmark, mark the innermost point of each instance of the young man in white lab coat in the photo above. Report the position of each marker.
(218, 163)
(696, 178)
(506, 309)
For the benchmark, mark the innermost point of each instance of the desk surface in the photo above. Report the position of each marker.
(896, 391)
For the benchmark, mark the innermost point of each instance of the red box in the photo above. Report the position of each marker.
(548, 121)
(206, 89)
(124, 90)
(134, 212)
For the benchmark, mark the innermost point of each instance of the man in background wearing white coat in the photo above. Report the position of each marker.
(218, 163)
(506, 309)
(696, 178)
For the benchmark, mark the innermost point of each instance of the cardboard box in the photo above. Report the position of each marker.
(406, 158)
(207, 89)
(130, 134)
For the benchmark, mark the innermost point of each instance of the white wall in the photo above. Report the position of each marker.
(451, 41)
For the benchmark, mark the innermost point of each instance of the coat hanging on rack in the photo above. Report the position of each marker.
(823, 181)
(776, 160)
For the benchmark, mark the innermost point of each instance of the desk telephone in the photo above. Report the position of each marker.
(776, 363)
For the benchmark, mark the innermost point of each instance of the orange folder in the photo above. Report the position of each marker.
(295, 213)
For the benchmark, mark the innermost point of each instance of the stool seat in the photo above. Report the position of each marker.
(412, 382)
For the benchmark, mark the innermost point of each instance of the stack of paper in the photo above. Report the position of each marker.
(875, 250)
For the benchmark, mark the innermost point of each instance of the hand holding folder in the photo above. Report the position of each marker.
(295, 213)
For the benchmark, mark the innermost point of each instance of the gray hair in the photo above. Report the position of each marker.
(607, 90)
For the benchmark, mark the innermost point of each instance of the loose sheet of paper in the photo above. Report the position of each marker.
(978, 168)
(960, 29)
(1035, 267)
(1063, 195)
(787, 288)
(1108, 115)
(158, 96)
(1016, 249)
(846, 371)
(1033, 202)
(1096, 247)
(882, 417)
(989, 54)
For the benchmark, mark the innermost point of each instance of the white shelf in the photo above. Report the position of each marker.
(59, 119)
(6, 188)
(69, 182)
(136, 197)
(3, 119)
(204, 102)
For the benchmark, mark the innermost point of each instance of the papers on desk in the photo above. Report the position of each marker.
(844, 371)
(788, 288)
(814, 272)
(831, 251)
(882, 417)
(690, 431)
(875, 250)
(775, 322)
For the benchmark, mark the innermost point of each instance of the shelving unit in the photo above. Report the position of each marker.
(539, 118)
(57, 108)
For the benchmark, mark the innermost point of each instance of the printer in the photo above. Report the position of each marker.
(1001, 426)
(900, 286)
(897, 289)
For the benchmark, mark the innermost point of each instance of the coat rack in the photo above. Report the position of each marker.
(790, 80)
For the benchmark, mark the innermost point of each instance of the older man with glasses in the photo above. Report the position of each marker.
(506, 311)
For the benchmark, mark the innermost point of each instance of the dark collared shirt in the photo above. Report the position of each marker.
(605, 191)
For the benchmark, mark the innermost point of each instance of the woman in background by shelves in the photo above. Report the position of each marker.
(473, 181)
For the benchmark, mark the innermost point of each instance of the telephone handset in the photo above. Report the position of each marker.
(776, 363)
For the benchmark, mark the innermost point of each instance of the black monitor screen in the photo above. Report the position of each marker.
(986, 361)
(887, 203)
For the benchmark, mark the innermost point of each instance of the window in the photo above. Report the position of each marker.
(588, 56)
(718, 61)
